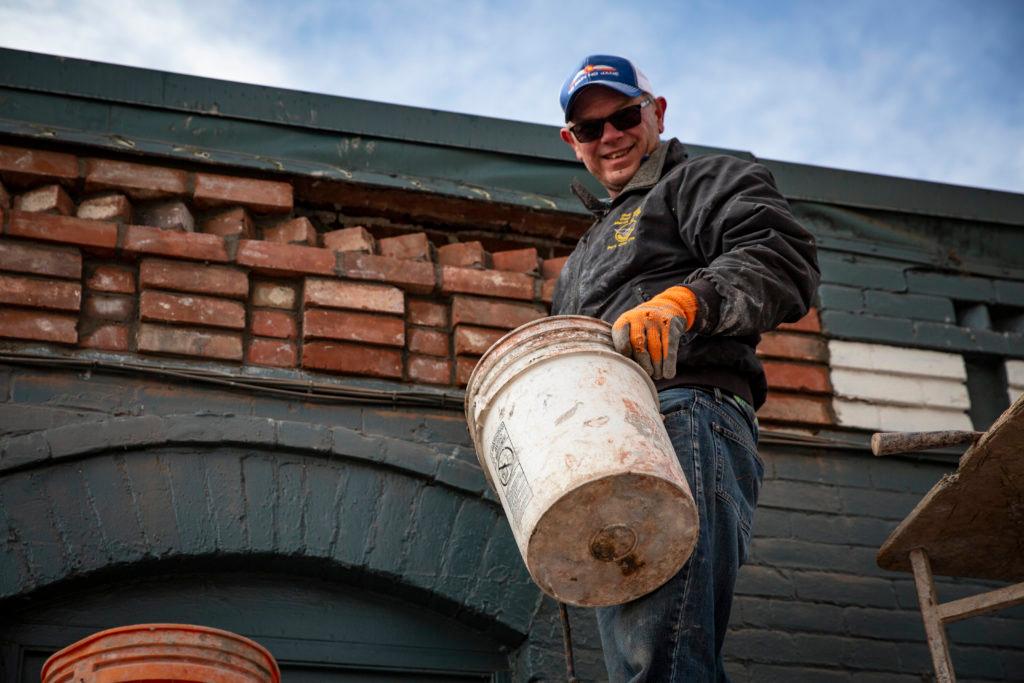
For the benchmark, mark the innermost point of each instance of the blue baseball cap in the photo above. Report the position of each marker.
(617, 73)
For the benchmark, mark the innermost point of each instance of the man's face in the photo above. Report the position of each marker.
(615, 157)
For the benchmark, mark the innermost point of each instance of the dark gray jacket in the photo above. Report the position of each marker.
(716, 224)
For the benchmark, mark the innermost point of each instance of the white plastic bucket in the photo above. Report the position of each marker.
(569, 434)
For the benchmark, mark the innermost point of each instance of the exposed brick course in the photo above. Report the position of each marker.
(277, 324)
(487, 283)
(285, 259)
(793, 346)
(464, 369)
(362, 327)
(38, 259)
(49, 199)
(462, 255)
(170, 215)
(796, 408)
(37, 326)
(234, 222)
(63, 229)
(293, 231)
(193, 277)
(273, 295)
(429, 370)
(411, 276)
(109, 207)
(183, 341)
(547, 290)
(516, 260)
(54, 294)
(116, 307)
(18, 165)
(106, 337)
(273, 352)
(428, 313)
(473, 341)
(809, 323)
(491, 313)
(415, 247)
(552, 267)
(191, 309)
(190, 245)
(107, 278)
(352, 359)
(356, 238)
(261, 196)
(797, 376)
(353, 295)
(138, 181)
(427, 341)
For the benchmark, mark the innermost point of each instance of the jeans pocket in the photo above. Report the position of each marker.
(738, 476)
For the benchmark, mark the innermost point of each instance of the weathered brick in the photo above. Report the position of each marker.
(285, 259)
(273, 295)
(429, 342)
(1011, 293)
(113, 207)
(26, 257)
(64, 229)
(106, 337)
(898, 331)
(490, 313)
(275, 352)
(942, 336)
(847, 269)
(261, 196)
(55, 294)
(463, 369)
(190, 277)
(39, 326)
(797, 376)
(360, 327)
(915, 306)
(20, 165)
(487, 283)
(106, 278)
(116, 307)
(352, 359)
(516, 260)
(197, 246)
(954, 286)
(839, 297)
(792, 346)
(462, 255)
(414, 247)
(411, 276)
(551, 268)
(795, 408)
(171, 215)
(429, 370)
(293, 231)
(184, 341)
(428, 313)
(547, 290)
(5, 199)
(840, 589)
(230, 223)
(277, 324)
(473, 341)
(809, 323)
(358, 296)
(190, 309)
(356, 238)
(138, 181)
(48, 199)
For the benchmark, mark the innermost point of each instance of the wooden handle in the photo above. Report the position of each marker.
(887, 443)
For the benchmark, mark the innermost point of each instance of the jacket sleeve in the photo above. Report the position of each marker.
(761, 264)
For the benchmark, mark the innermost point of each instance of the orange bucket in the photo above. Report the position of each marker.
(162, 653)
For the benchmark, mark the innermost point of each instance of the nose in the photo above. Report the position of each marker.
(610, 133)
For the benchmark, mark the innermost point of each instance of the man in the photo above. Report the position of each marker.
(690, 259)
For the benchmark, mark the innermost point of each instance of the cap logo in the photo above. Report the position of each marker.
(585, 74)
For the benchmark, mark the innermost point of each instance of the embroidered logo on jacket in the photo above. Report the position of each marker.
(625, 226)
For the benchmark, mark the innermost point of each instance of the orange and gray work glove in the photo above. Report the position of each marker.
(650, 333)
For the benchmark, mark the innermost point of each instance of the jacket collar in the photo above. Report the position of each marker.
(668, 154)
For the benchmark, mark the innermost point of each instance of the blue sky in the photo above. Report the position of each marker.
(929, 89)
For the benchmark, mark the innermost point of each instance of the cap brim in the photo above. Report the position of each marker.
(624, 88)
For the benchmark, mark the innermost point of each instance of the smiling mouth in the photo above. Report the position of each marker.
(618, 155)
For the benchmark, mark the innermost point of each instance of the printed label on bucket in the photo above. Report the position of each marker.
(515, 488)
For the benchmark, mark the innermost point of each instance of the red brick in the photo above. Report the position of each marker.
(552, 267)
(172, 215)
(183, 341)
(25, 257)
(276, 324)
(792, 346)
(490, 313)
(64, 229)
(138, 181)
(294, 231)
(285, 259)
(414, 247)
(49, 199)
(797, 376)
(234, 222)
(352, 359)
(261, 196)
(109, 307)
(464, 369)
(5, 199)
(547, 290)
(429, 370)
(56, 294)
(20, 165)
(781, 407)
(190, 277)
(473, 341)
(427, 313)
(429, 342)
(516, 260)
(38, 326)
(411, 276)
(106, 337)
(273, 295)
(358, 327)
(111, 279)
(109, 207)
(274, 352)
(190, 245)
(487, 283)
(349, 239)
(462, 255)
(808, 323)
(353, 295)
(196, 310)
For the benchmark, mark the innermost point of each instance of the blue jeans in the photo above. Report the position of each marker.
(676, 632)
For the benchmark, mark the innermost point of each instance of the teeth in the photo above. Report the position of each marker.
(618, 155)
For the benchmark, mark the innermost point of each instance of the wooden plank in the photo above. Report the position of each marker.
(990, 601)
(938, 646)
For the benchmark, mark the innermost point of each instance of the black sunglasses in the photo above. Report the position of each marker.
(623, 119)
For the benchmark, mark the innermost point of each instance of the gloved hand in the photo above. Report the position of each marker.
(649, 333)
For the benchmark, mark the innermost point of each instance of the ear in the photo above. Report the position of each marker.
(568, 139)
(661, 104)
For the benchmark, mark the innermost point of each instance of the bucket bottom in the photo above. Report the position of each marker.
(613, 540)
